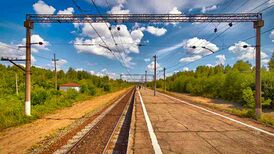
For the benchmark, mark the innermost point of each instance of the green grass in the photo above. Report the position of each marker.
(12, 107)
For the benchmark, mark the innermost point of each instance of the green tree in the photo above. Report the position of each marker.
(271, 63)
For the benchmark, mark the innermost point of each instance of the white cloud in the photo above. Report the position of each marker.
(244, 53)
(9, 51)
(147, 59)
(69, 10)
(155, 6)
(118, 10)
(202, 47)
(105, 72)
(42, 8)
(199, 44)
(209, 65)
(35, 38)
(220, 60)
(127, 42)
(168, 49)
(191, 58)
(209, 8)
(185, 69)
(150, 66)
(272, 34)
(156, 31)
(59, 64)
(175, 11)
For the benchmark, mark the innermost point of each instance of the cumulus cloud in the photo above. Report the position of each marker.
(220, 60)
(10, 51)
(35, 38)
(272, 34)
(6, 50)
(154, 6)
(244, 53)
(209, 65)
(199, 51)
(118, 10)
(42, 8)
(209, 8)
(106, 72)
(175, 11)
(185, 69)
(150, 66)
(156, 31)
(199, 44)
(127, 41)
(147, 59)
(69, 10)
(59, 64)
(191, 58)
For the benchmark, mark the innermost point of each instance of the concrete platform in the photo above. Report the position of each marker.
(181, 128)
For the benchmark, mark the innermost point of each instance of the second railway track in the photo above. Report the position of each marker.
(107, 135)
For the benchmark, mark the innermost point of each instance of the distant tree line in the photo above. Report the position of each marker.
(233, 83)
(44, 97)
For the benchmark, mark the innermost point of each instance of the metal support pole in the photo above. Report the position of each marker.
(154, 75)
(164, 79)
(29, 25)
(55, 70)
(258, 109)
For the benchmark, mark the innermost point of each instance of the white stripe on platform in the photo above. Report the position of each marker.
(155, 144)
(236, 121)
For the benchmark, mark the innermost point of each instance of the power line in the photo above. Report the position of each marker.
(235, 24)
(218, 51)
(108, 48)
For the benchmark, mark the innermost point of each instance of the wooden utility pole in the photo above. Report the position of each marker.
(28, 25)
(145, 78)
(154, 74)
(16, 84)
(258, 25)
(55, 70)
(164, 79)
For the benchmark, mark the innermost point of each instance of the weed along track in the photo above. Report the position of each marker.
(107, 133)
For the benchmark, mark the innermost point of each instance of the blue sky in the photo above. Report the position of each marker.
(169, 41)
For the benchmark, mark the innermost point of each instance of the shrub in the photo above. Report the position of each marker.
(71, 94)
(39, 95)
(248, 98)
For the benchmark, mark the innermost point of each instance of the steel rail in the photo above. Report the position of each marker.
(87, 133)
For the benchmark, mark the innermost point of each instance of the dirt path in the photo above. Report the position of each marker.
(20, 139)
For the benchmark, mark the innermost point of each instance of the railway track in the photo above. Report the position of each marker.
(106, 134)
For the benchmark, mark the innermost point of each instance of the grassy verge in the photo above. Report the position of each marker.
(243, 112)
(12, 107)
